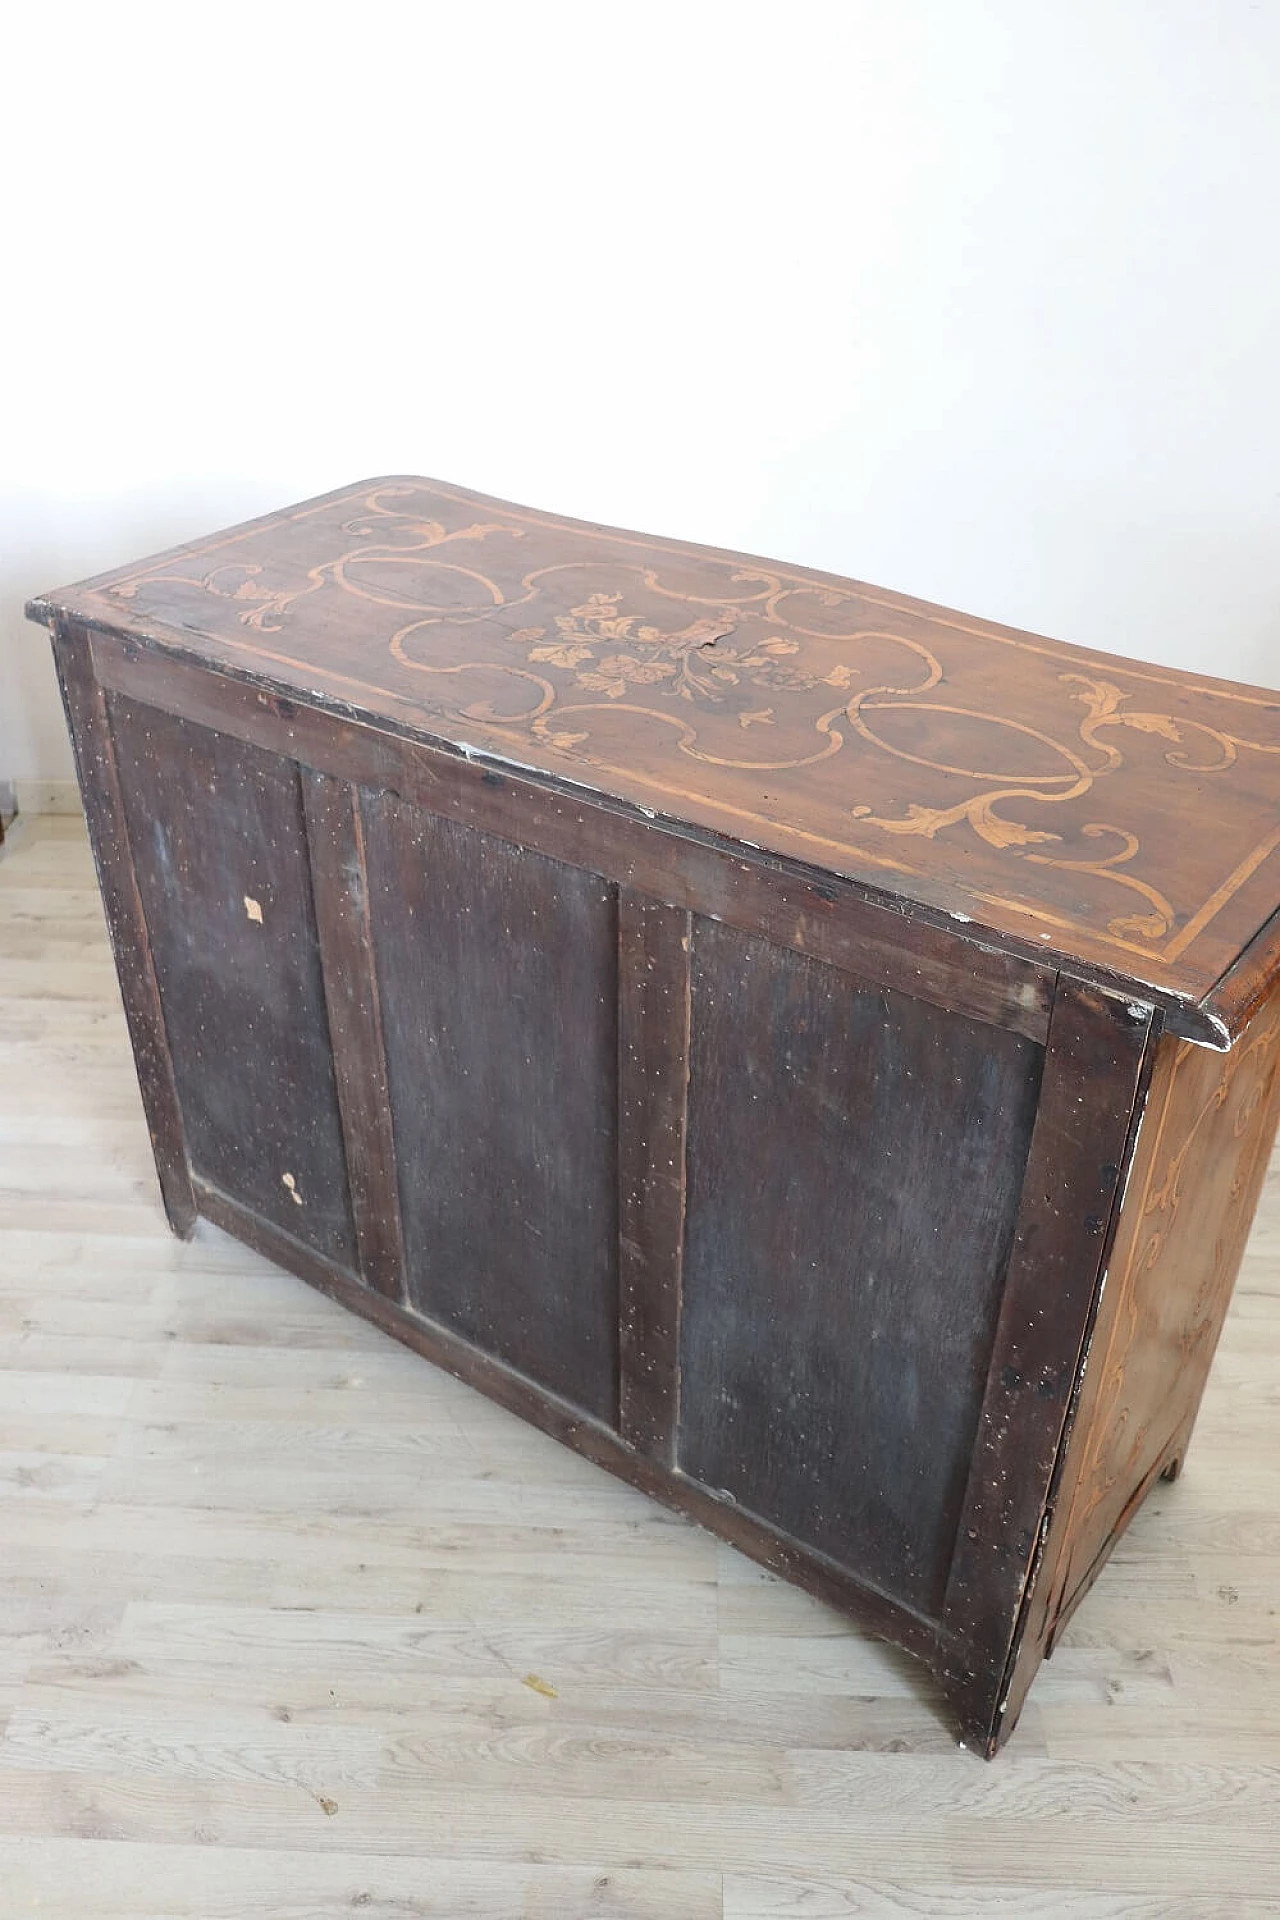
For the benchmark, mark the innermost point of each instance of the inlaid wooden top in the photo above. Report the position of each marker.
(1047, 798)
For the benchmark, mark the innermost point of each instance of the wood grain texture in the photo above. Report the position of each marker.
(258, 1556)
(855, 1164)
(680, 993)
(812, 1333)
(937, 957)
(597, 1442)
(653, 1079)
(340, 883)
(497, 977)
(220, 852)
(1200, 1161)
(1029, 786)
(99, 778)
(1094, 1070)
(1250, 981)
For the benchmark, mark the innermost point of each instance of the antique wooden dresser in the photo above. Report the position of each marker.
(814, 1053)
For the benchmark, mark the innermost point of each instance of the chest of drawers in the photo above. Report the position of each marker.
(814, 1053)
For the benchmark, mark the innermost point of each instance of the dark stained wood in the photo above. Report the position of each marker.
(855, 1163)
(498, 983)
(1129, 813)
(335, 839)
(1245, 986)
(653, 1070)
(818, 913)
(108, 835)
(735, 1017)
(220, 853)
(1098, 1050)
(838, 1586)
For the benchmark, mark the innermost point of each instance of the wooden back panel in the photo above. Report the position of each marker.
(497, 978)
(855, 1163)
(639, 1136)
(220, 854)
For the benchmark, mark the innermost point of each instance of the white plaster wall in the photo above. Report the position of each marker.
(975, 298)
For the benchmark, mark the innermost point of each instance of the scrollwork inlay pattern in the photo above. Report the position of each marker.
(1216, 1116)
(746, 668)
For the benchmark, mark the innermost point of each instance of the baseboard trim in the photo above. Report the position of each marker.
(46, 796)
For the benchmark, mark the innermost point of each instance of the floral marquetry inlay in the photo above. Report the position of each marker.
(1127, 815)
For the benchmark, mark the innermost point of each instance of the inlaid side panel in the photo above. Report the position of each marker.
(1202, 1157)
(497, 974)
(855, 1162)
(221, 858)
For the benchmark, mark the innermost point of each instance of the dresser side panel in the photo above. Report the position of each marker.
(1201, 1159)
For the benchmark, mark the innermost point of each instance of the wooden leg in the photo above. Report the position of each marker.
(1178, 1451)
(1096, 1059)
(90, 728)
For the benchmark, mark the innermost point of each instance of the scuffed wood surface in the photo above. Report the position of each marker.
(842, 1288)
(653, 1078)
(219, 849)
(928, 954)
(1124, 814)
(497, 978)
(260, 1561)
(340, 886)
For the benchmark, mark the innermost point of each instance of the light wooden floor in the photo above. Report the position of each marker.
(293, 1625)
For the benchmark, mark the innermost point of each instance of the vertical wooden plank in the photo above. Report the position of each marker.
(340, 887)
(653, 1077)
(1098, 1055)
(99, 778)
